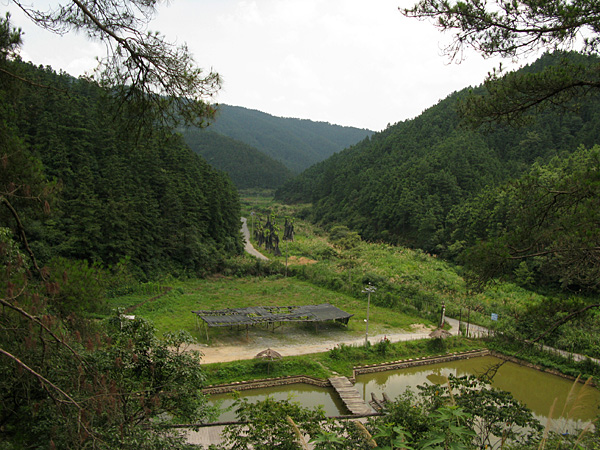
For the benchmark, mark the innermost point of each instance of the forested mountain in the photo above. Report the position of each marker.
(410, 183)
(247, 166)
(119, 192)
(296, 143)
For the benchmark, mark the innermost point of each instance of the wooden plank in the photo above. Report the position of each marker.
(350, 396)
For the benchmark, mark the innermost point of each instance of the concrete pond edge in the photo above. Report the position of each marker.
(282, 381)
(371, 368)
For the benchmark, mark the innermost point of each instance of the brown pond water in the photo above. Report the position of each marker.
(308, 395)
(535, 389)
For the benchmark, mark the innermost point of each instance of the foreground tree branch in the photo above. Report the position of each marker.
(22, 234)
(38, 322)
(41, 378)
(152, 79)
(514, 29)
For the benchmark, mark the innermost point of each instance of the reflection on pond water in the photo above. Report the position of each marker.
(535, 389)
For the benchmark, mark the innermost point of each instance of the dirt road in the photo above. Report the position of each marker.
(248, 247)
(294, 341)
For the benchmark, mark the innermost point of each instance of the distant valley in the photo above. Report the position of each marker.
(260, 150)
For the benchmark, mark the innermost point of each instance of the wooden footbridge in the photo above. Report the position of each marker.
(350, 396)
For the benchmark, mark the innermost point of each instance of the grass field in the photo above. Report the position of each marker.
(173, 310)
(411, 287)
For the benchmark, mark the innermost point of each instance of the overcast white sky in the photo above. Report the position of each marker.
(348, 62)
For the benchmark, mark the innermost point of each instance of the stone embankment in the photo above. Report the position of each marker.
(267, 382)
(412, 362)
(282, 381)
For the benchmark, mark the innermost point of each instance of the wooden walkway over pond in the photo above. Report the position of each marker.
(350, 396)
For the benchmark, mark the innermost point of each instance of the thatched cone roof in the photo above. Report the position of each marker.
(268, 355)
(439, 333)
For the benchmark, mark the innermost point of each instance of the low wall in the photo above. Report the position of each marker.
(540, 368)
(412, 362)
(267, 382)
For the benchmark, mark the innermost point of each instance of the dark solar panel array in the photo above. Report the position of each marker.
(255, 315)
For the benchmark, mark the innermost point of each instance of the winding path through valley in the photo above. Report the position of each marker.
(248, 247)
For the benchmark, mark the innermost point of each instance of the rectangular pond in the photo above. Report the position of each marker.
(532, 387)
(306, 394)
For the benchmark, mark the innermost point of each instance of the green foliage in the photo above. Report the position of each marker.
(154, 82)
(472, 415)
(397, 436)
(405, 414)
(247, 167)
(11, 255)
(67, 381)
(431, 184)
(430, 420)
(108, 386)
(340, 235)
(514, 29)
(493, 413)
(265, 426)
(343, 358)
(154, 202)
(550, 213)
(246, 370)
(79, 287)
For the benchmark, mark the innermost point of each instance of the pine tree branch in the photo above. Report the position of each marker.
(32, 83)
(41, 378)
(564, 320)
(39, 322)
(22, 234)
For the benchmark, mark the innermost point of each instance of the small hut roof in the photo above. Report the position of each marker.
(268, 354)
(440, 333)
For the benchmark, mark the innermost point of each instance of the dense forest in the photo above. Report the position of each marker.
(296, 143)
(118, 194)
(98, 193)
(422, 182)
(246, 165)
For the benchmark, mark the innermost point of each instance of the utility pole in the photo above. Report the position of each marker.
(368, 290)
(443, 317)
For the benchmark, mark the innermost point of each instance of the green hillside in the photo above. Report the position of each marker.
(407, 184)
(118, 193)
(296, 143)
(247, 166)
